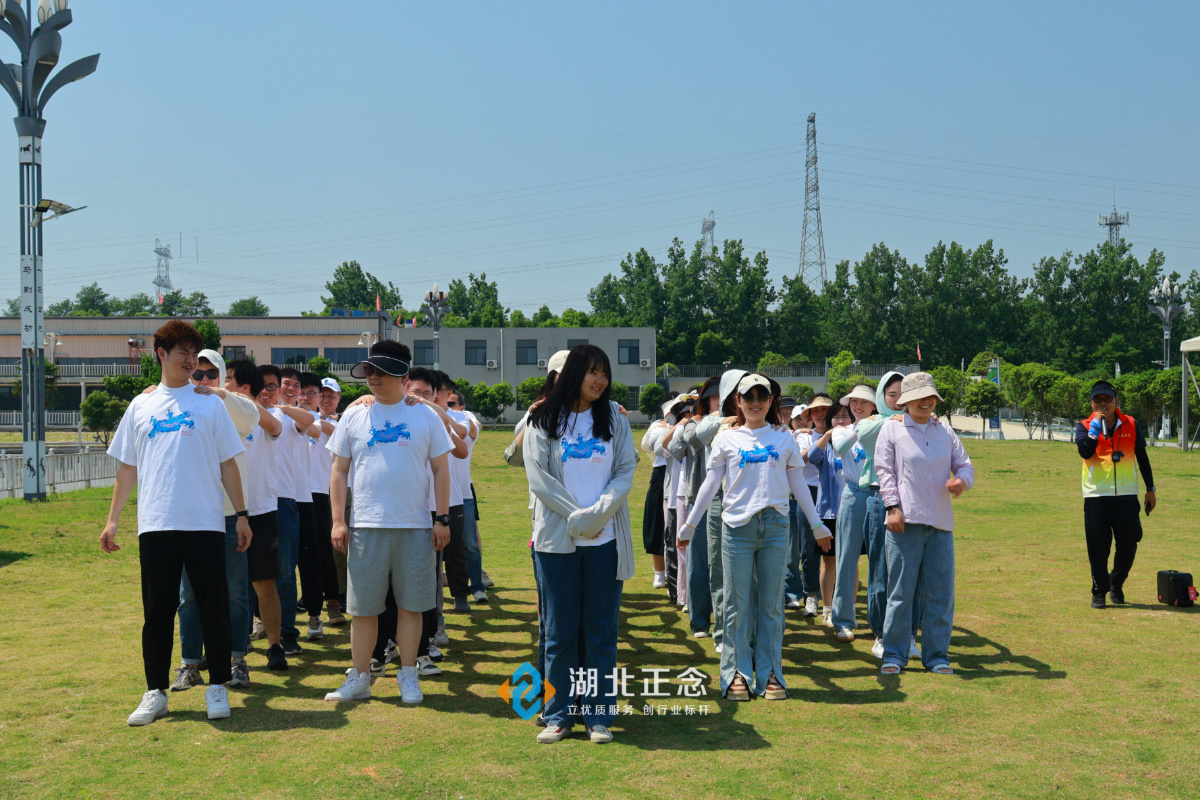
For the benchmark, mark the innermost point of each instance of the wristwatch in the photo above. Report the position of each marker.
(442, 519)
(243, 513)
(889, 508)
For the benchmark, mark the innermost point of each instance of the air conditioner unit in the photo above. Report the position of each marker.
(542, 363)
(493, 363)
(644, 363)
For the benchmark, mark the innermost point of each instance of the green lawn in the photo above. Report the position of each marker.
(1050, 699)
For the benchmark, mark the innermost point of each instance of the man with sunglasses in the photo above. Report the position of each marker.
(398, 449)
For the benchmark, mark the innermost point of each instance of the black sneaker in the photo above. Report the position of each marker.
(540, 721)
(1098, 600)
(461, 606)
(1117, 595)
(291, 648)
(275, 658)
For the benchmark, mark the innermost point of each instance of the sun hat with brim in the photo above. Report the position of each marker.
(557, 361)
(820, 402)
(754, 379)
(862, 392)
(713, 390)
(916, 386)
(395, 367)
(331, 384)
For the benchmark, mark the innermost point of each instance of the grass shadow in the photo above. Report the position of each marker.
(1002, 663)
(12, 556)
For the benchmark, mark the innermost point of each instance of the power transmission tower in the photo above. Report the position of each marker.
(162, 281)
(812, 244)
(1113, 222)
(706, 233)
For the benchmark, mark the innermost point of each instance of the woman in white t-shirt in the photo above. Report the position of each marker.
(579, 460)
(759, 461)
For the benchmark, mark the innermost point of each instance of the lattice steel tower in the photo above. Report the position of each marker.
(812, 244)
(1113, 222)
(706, 233)
(162, 281)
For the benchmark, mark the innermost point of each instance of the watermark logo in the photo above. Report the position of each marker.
(523, 691)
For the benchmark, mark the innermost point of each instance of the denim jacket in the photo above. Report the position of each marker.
(557, 518)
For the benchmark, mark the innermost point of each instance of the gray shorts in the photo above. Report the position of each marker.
(403, 556)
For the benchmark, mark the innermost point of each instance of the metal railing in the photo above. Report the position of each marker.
(789, 371)
(97, 370)
(64, 472)
(54, 419)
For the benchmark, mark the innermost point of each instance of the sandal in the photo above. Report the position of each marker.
(775, 690)
(942, 669)
(890, 669)
(738, 689)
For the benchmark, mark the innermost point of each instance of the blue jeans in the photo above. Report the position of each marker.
(581, 601)
(877, 569)
(471, 540)
(700, 605)
(920, 583)
(716, 571)
(289, 552)
(191, 639)
(755, 560)
(804, 569)
(851, 531)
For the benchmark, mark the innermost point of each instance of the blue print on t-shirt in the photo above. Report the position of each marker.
(250, 437)
(859, 454)
(581, 448)
(171, 424)
(389, 434)
(758, 455)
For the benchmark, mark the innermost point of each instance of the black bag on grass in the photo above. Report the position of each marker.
(1175, 588)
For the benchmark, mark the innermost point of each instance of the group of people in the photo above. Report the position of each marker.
(248, 475)
(756, 504)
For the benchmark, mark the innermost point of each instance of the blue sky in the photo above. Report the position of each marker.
(540, 142)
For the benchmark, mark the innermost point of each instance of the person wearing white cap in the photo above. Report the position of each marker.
(329, 394)
(921, 465)
(759, 460)
(706, 430)
(803, 581)
(675, 412)
(654, 514)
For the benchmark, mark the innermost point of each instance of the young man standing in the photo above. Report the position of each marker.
(330, 394)
(314, 564)
(460, 469)
(178, 448)
(1110, 443)
(395, 444)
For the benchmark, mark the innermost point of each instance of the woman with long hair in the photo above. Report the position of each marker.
(579, 460)
(829, 494)
(852, 512)
(654, 512)
(759, 462)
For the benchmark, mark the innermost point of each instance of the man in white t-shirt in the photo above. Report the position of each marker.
(394, 445)
(330, 395)
(178, 448)
(315, 517)
(460, 468)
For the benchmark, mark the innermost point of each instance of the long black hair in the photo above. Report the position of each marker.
(551, 416)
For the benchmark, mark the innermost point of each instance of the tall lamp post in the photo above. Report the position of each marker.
(26, 84)
(1164, 302)
(435, 309)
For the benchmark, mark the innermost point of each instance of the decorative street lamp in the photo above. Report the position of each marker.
(434, 309)
(1164, 302)
(26, 84)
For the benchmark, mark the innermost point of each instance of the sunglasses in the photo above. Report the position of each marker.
(211, 374)
(452, 404)
(756, 397)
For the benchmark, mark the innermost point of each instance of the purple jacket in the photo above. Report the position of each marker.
(914, 465)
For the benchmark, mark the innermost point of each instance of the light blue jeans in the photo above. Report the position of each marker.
(237, 576)
(851, 531)
(877, 569)
(471, 540)
(699, 603)
(755, 562)
(289, 552)
(804, 568)
(920, 574)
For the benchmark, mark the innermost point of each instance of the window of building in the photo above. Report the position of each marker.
(571, 343)
(526, 351)
(627, 351)
(292, 356)
(423, 352)
(346, 355)
(233, 353)
(476, 352)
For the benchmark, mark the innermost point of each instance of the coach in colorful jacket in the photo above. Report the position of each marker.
(1113, 451)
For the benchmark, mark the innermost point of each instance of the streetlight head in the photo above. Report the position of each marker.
(45, 11)
(58, 342)
(60, 5)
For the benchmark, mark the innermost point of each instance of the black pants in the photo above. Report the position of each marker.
(653, 522)
(455, 556)
(429, 619)
(323, 519)
(671, 556)
(311, 589)
(1105, 520)
(163, 556)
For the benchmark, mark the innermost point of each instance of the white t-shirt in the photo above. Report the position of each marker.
(812, 475)
(460, 468)
(177, 439)
(291, 449)
(390, 447)
(756, 464)
(320, 462)
(260, 464)
(854, 458)
(587, 469)
(456, 495)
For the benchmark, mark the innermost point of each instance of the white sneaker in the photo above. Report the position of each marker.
(258, 631)
(435, 653)
(844, 634)
(488, 583)
(153, 706)
(356, 687)
(877, 648)
(409, 681)
(440, 638)
(216, 698)
(552, 734)
(827, 617)
(425, 666)
(390, 652)
(914, 651)
(794, 603)
(660, 582)
(600, 734)
(316, 631)
(719, 649)
(810, 606)
(479, 597)
(700, 634)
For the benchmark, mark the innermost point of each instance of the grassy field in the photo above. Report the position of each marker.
(1050, 698)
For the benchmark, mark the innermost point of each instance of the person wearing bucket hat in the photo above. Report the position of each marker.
(706, 430)
(759, 460)
(803, 581)
(921, 465)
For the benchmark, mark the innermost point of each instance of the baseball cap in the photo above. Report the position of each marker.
(330, 383)
(1103, 387)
